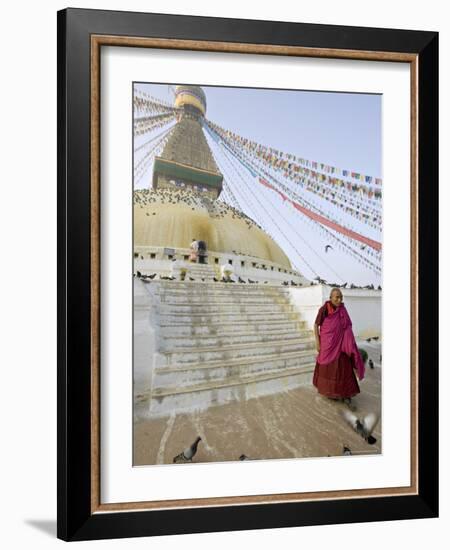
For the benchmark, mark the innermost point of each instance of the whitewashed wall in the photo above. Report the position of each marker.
(364, 307)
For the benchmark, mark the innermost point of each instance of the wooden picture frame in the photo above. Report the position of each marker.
(81, 35)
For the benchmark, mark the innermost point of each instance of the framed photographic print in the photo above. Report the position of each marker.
(247, 268)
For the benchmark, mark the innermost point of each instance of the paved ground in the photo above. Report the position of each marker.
(293, 424)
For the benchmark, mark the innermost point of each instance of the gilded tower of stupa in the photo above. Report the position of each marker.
(187, 160)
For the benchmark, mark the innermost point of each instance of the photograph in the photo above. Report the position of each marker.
(257, 273)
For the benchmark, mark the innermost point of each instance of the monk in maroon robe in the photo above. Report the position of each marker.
(339, 357)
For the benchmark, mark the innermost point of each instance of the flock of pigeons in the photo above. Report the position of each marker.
(147, 278)
(173, 195)
(345, 285)
(362, 426)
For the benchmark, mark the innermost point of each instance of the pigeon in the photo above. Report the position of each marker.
(241, 280)
(139, 274)
(371, 363)
(362, 427)
(152, 276)
(215, 279)
(375, 338)
(286, 283)
(244, 457)
(346, 451)
(293, 284)
(191, 279)
(328, 247)
(188, 454)
(368, 339)
(250, 281)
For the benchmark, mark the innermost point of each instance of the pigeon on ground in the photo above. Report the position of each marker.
(191, 279)
(188, 454)
(215, 280)
(244, 457)
(241, 280)
(286, 283)
(371, 363)
(139, 274)
(362, 427)
(250, 281)
(293, 284)
(346, 451)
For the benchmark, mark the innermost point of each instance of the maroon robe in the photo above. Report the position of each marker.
(336, 379)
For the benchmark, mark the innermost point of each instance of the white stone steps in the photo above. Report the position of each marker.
(189, 287)
(231, 327)
(211, 299)
(219, 295)
(219, 342)
(233, 381)
(203, 341)
(287, 359)
(206, 354)
(206, 394)
(228, 307)
(220, 317)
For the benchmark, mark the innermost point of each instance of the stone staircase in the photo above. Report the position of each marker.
(220, 342)
(194, 270)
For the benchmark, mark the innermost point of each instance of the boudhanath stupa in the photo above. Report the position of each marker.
(200, 341)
